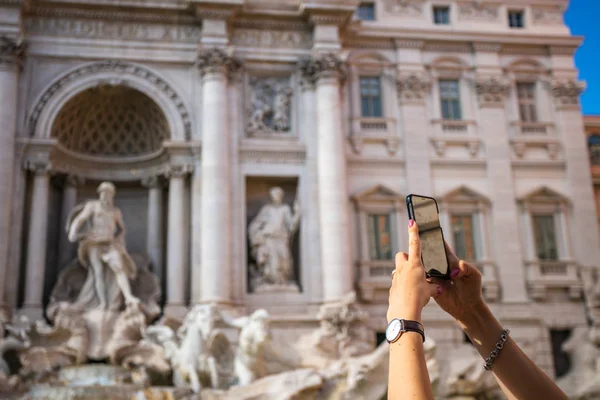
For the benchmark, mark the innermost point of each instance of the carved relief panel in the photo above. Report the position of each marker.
(269, 106)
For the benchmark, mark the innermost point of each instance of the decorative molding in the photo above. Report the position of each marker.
(566, 91)
(487, 47)
(120, 68)
(408, 44)
(282, 156)
(74, 181)
(270, 24)
(179, 171)
(413, 87)
(11, 51)
(477, 11)
(409, 8)
(152, 182)
(126, 16)
(164, 4)
(272, 38)
(448, 47)
(38, 167)
(492, 90)
(562, 50)
(368, 43)
(323, 66)
(213, 59)
(548, 15)
(525, 50)
(328, 19)
(112, 29)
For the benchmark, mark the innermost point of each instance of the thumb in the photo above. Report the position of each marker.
(435, 290)
(464, 269)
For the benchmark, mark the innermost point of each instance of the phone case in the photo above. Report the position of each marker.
(433, 273)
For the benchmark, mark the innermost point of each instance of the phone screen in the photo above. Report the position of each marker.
(433, 252)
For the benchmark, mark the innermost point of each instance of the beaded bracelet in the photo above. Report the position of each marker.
(496, 351)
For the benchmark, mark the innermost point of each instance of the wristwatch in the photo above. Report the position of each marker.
(397, 327)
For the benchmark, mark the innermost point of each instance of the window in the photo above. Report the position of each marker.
(526, 97)
(545, 237)
(380, 233)
(450, 99)
(516, 19)
(366, 12)
(463, 234)
(562, 361)
(594, 147)
(441, 15)
(370, 96)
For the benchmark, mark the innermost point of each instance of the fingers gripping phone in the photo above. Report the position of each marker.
(425, 212)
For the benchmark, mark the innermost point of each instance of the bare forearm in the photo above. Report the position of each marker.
(408, 376)
(517, 375)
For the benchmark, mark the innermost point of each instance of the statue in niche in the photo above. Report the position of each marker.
(102, 249)
(271, 233)
(270, 106)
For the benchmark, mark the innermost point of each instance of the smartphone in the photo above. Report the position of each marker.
(425, 212)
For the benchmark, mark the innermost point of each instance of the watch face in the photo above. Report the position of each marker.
(393, 330)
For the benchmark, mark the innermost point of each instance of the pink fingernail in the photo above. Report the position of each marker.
(454, 273)
(440, 290)
(411, 223)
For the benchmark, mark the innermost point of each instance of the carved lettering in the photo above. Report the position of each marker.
(260, 38)
(111, 30)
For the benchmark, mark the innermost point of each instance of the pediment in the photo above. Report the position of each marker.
(378, 193)
(545, 194)
(464, 194)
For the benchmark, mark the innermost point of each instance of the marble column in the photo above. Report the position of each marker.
(9, 78)
(569, 124)
(154, 226)
(36, 243)
(327, 69)
(66, 249)
(176, 243)
(215, 235)
(493, 92)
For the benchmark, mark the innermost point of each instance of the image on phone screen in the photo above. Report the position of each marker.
(425, 213)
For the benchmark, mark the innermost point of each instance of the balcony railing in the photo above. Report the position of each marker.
(374, 131)
(491, 287)
(559, 274)
(532, 128)
(374, 276)
(454, 127)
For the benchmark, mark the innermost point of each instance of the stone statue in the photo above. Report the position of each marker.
(271, 233)
(282, 104)
(253, 343)
(102, 250)
(270, 106)
(583, 380)
(466, 379)
(201, 356)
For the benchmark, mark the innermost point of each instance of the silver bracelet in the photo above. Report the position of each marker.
(496, 351)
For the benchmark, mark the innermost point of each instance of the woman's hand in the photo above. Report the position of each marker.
(410, 291)
(461, 297)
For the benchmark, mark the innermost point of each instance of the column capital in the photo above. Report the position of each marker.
(413, 87)
(11, 52)
(179, 171)
(216, 60)
(152, 182)
(492, 90)
(324, 65)
(38, 167)
(566, 91)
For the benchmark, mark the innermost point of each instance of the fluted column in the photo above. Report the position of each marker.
(215, 236)
(10, 60)
(36, 242)
(327, 70)
(154, 238)
(66, 249)
(493, 92)
(176, 243)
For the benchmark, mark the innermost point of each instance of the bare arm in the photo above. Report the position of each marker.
(120, 225)
(516, 374)
(410, 292)
(78, 221)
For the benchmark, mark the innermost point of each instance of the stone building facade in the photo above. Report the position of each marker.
(195, 108)
(592, 131)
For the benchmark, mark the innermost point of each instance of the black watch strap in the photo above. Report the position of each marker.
(413, 326)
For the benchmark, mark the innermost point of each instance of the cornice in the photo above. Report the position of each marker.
(271, 23)
(147, 4)
(113, 15)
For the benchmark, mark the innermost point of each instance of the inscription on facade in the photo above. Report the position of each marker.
(281, 39)
(112, 30)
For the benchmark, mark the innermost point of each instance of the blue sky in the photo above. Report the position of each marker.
(582, 19)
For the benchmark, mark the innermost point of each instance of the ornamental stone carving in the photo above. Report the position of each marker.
(271, 233)
(118, 68)
(11, 51)
(548, 15)
(322, 66)
(213, 59)
(414, 87)
(270, 107)
(492, 91)
(272, 39)
(567, 91)
(410, 8)
(477, 11)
